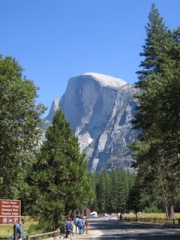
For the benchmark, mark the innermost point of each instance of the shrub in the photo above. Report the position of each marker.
(152, 209)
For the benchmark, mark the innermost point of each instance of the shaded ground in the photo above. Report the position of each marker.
(115, 229)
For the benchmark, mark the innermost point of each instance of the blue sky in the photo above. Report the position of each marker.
(54, 40)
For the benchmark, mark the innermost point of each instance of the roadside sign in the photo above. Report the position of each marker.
(86, 212)
(10, 211)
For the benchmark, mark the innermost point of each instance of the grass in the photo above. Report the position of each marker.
(150, 215)
(153, 217)
(28, 222)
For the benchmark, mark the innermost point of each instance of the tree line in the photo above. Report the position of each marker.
(112, 191)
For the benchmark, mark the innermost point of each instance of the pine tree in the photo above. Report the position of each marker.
(114, 192)
(60, 181)
(107, 189)
(134, 199)
(94, 205)
(102, 193)
(123, 180)
(156, 146)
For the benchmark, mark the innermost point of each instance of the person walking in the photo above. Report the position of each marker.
(18, 228)
(80, 225)
(69, 227)
(86, 225)
(76, 220)
(75, 223)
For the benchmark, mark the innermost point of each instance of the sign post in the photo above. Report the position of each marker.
(10, 211)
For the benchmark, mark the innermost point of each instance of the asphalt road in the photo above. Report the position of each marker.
(105, 228)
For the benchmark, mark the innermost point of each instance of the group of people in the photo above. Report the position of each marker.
(78, 222)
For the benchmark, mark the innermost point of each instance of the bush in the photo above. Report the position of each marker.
(152, 209)
(33, 229)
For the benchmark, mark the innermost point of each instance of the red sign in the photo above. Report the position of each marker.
(10, 211)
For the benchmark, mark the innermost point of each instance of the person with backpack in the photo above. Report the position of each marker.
(76, 220)
(69, 227)
(80, 225)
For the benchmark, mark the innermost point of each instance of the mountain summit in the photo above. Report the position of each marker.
(100, 109)
(105, 80)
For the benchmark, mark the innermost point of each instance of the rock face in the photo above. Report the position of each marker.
(100, 109)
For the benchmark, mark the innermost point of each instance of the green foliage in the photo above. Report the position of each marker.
(19, 119)
(152, 209)
(32, 230)
(134, 198)
(157, 148)
(112, 191)
(59, 179)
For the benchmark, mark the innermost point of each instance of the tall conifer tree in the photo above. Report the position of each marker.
(60, 181)
(156, 80)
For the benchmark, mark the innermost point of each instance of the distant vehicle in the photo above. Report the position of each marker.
(105, 215)
(93, 215)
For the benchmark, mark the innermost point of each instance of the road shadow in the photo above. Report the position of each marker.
(135, 230)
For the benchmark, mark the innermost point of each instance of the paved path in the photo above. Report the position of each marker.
(92, 233)
(111, 229)
(105, 228)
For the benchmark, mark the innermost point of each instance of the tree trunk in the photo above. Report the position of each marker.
(166, 209)
(170, 211)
